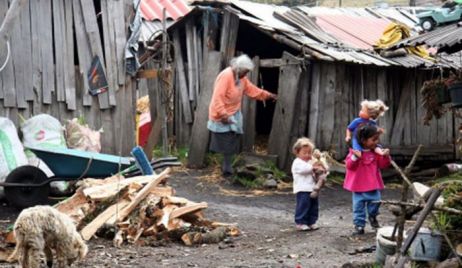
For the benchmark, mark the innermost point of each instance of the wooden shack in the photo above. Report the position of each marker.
(318, 94)
(52, 44)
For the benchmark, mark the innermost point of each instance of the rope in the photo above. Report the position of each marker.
(7, 56)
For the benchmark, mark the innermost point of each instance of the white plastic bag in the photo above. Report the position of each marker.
(11, 150)
(43, 130)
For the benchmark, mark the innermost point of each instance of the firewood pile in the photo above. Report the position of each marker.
(140, 210)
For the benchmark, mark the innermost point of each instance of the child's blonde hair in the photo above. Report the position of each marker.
(374, 108)
(302, 142)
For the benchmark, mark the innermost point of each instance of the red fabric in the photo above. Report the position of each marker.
(144, 128)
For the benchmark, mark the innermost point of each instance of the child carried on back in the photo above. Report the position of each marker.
(370, 111)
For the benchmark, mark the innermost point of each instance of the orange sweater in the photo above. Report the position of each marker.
(227, 97)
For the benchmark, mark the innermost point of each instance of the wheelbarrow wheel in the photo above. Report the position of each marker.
(27, 196)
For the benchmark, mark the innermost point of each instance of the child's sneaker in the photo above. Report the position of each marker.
(373, 221)
(313, 227)
(359, 230)
(302, 227)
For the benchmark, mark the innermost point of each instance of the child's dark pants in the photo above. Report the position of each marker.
(307, 209)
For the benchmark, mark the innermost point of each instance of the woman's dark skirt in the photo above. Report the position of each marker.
(225, 143)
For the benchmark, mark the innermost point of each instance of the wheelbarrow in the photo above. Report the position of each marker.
(28, 185)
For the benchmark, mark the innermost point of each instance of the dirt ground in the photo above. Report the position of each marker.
(265, 219)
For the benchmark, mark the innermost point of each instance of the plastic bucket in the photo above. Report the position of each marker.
(426, 246)
(384, 245)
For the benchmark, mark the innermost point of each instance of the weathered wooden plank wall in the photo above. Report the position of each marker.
(342, 88)
(42, 76)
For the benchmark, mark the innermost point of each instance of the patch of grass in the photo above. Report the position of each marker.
(213, 159)
(452, 194)
(250, 183)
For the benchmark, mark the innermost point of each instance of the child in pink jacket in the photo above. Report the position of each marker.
(363, 178)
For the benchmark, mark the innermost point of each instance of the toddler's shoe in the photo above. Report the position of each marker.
(359, 230)
(313, 227)
(373, 221)
(302, 227)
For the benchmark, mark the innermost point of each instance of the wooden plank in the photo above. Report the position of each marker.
(314, 101)
(108, 10)
(271, 63)
(229, 30)
(411, 130)
(36, 53)
(120, 39)
(401, 122)
(59, 32)
(382, 93)
(90, 229)
(340, 109)
(180, 71)
(286, 107)
(142, 194)
(191, 65)
(326, 125)
(7, 75)
(27, 52)
(94, 39)
(17, 46)
(249, 112)
(196, 60)
(178, 212)
(46, 40)
(200, 134)
(69, 74)
(83, 52)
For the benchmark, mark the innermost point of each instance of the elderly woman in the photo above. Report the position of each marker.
(225, 117)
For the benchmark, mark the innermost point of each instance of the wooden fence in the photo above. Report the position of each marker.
(52, 45)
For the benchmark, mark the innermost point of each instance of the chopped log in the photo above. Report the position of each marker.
(421, 190)
(187, 209)
(77, 206)
(143, 193)
(104, 191)
(165, 191)
(88, 231)
(215, 236)
(167, 210)
(133, 239)
(10, 238)
(175, 200)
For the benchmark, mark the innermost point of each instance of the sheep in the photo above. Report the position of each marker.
(41, 229)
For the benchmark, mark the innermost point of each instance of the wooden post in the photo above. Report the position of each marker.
(249, 112)
(423, 215)
(200, 134)
(287, 108)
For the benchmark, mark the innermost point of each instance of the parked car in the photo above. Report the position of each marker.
(428, 20)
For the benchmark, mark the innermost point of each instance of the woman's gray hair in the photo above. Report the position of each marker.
(243, 62)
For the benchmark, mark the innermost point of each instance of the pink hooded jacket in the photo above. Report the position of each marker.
(363, 175)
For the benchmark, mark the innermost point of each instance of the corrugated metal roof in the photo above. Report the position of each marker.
(152, 9)
(345, 34)
(444, 38)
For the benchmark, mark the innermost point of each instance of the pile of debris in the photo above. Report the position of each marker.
(140, 210)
